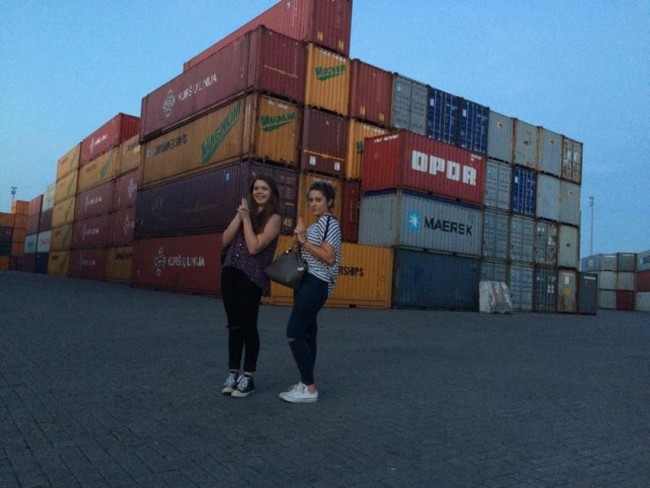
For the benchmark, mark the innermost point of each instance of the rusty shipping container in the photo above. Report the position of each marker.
(327, 80)
(305, 182)
(110, 135)
(365, 278)
(66, 187)
(327, 24)
(642, 282)
(63, 212)
(88, 263)
(410, 161)
(58, 263)
(182, 264)
(568, 246)
(126, 190)
(350, 202)
(567, 286)
(129, 155)
(45, 222)
(371, 90)
(69, 162)
(118, 263)
(94, 202)
(571, 160)
(61, 237)
(206, 202)
(254, 127)
(545, 243)
(357, 133)
(324, 140)
(525, 144)
(99, 170)
(91, 233)
(122, 227)
(34, 215)
(261, 60)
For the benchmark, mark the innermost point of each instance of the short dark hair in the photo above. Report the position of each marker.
(326, 188)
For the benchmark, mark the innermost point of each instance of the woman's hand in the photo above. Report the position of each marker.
(300, 233)
(243, 211)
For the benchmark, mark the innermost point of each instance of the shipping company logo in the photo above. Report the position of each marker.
(212, 143)
(89, 263)
(95, 142)
(433, 165)
(132, 188)
(353, 271)
(274, 122)
(128, 225)
(168, 103)
(123, 256)
(92, 201)
(163, 147)
(160, 261)
(324, 73)
(197, 87)
(415, 222)
(88, 231)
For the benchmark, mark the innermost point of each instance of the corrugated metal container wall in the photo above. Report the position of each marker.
(122, 227)
(568, 247)
(184, 264)
(498, 180)
(63, 212)
(324, 142)
(96, 201)
(66, 187)
(522, 238)
(643, 261)
(500, 137)
(524, 191)
(30, 244)
(494, 270)
(607, 280)
(625, 281)
(69, 162)
(607, 299)
(567, 291)
(276, 130)
(550, 152)
(521, 287)
(545, 245)
(409, 161)
(357, 133)
(207, 202)
(571, 160)
(438, 281)
(409, 105)
(45, 222)
(111, 134)
(548, 197)
(305, 182)
(569, 203)
(526, 144)
(545, 290)
(406, 219)
(261, 60)
(118, 263)
(326, 23)
(61, 238)
(327, 84)
(99, 170)
(43, 241)
(599, 262)
(91, 233)
(48, 197)
(58, 263)
(626, 261)
(442, 116)
(642, 279)
(496, 226)
(587, 293)
(365, 278)
(472, 126)
(642, 302)
(88, 264)
(371, 90)
(126, 190)
(34, 215)
(129, 155)
(350, 199)
(625, 300)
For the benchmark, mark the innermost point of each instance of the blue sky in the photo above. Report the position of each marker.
(580, 68)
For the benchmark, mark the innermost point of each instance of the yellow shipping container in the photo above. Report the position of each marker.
(118, 263)
(328, 80)
(306, 179)
(58, 263)
(99, 170)
(365, 278)
(256, 126)
(61, 238)
(66, 187)
(69, 162)
(63, 212)
(130, 155)
(357, 132)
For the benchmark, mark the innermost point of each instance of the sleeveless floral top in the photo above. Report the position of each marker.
(253, 265)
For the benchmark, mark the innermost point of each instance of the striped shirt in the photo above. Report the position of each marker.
(315, 233)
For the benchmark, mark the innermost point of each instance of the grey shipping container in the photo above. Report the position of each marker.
(626, 261)
(568, 247)
(430, 280)
(569, 203)
(606, 280)
(545, 289)
(548, 197)
(599, 262)
(498, 178)
(494, 270)
(496, 226)
(643, 261)
(525, 153)
(522, 232)
(545, 246)
(410, 105)
(588, 293)
(406, 219)
(499, 144)
(607, 299)
(567, 285)
(550, 152)
(625, 280)
(571, 160)
(521, 287)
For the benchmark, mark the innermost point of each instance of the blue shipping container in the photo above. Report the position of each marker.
(473, 120)
(442, 116)
(524, 191)
(41, 262)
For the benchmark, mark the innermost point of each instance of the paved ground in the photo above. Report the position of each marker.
(102, 385)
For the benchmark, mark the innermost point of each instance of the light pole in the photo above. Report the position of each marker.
(13, 194)
(591, 239)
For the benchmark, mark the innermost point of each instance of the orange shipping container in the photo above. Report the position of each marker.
(7, 219)
(17, 248)
(306, 179)
(99, 170)
(365, 278)
(118, 263)
(66, 187)
(20, 207)
(63, 212)
(58, 263)
(61, 238)
(130, 155)
(357, 132)
(4, 263)
(256, 126)
(328, 80)
(68, 163)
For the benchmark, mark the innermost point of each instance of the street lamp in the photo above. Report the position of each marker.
(591, 240)
(13, 194)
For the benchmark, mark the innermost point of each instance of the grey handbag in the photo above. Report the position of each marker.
(287, 269)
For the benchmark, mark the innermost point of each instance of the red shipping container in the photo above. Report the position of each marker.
(326, 23)
(126, 190)
(624, 300)
(35, 206)
(122, 227)
(350, 202)
(371, 92)
(643, 280)
(324, 142)
(183, 264)
(261, 60)
(91, 233)
(94, 202)
(410, 161)
(88, 263)
(111, 134)
(45, 222)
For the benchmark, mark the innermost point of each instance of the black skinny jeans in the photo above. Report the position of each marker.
(303, 326)
(241, 299)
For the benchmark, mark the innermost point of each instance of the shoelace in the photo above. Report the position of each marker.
(300, 386)
(231, 380)
(242, 384)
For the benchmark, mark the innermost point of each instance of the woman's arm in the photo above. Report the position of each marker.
(231, 231)
(256, 243)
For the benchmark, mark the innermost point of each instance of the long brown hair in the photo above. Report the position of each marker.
(260, 218)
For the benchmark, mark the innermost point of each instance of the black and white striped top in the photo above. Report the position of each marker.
(315, 234)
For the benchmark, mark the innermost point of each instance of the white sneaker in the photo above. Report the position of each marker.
(299, 393)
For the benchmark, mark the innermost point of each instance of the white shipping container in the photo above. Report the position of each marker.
(606, 280)
(625, 281)
(642, 302)
(495, 234)
(498, 177)
(607, 299)
(569, 203)
(568, 247)
(525, 144)
(30, 243)
(548, 197)
(43, 243)
(522, 237)
(405, 219)
(499, 144)
(550, 152)
(643, 261)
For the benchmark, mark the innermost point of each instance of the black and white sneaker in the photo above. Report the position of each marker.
(230, 384)
(245, 387)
